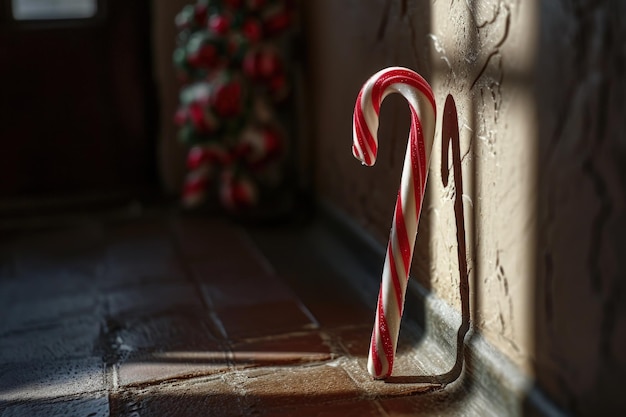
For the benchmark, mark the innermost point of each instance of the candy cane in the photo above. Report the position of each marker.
(408, 204)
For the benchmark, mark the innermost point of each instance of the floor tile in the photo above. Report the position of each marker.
(153, 368)
(142, 300)
(51, 283)
(354, 408)
(264, 319)
(147, 226)
(334, 311)
(243, 266)
(239, 291)
(81, 405)
(140, 250)
(285, 350)
(208, 238)
(46, 380)
(301, 386)
(183, 316)
(22, 312)
(176, 331)
(61, 244)
(212, 397)
(72, 338)
(455, 399)
(327, 294)
(52, 252)
(124, 274)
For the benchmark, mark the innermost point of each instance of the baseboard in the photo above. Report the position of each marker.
(490, 373)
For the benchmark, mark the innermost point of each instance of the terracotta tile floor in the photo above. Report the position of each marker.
(164, 315)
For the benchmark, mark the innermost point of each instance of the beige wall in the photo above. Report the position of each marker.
(540, 96)
(171, 152)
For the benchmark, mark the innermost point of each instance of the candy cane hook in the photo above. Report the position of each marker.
(408, 204)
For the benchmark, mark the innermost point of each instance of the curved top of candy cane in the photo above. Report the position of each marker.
(415, 90)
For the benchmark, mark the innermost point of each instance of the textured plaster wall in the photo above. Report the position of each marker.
(539, 88)
(580, 325)
(483, 52)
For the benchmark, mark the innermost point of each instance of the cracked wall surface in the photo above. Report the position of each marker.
(581, 285)
(539, 89)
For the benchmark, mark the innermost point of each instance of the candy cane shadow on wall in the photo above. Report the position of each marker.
(450, 138)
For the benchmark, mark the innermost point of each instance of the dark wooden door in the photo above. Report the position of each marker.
(75, 102)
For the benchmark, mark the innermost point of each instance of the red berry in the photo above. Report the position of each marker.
(227, 99)
(269, 64)
(196, 157)
(250, 65)
(252, 30)
(200, 155)
(237, 193)
(219, 24)
(205, 57)
(277, 22)
(198, 119)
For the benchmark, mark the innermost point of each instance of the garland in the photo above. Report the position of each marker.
(233, 80)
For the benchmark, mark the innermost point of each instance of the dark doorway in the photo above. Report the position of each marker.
(76, 99)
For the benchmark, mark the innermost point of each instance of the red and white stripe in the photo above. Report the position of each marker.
(410, 196)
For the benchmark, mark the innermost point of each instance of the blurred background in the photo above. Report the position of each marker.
(90, 90)
(79, 112)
